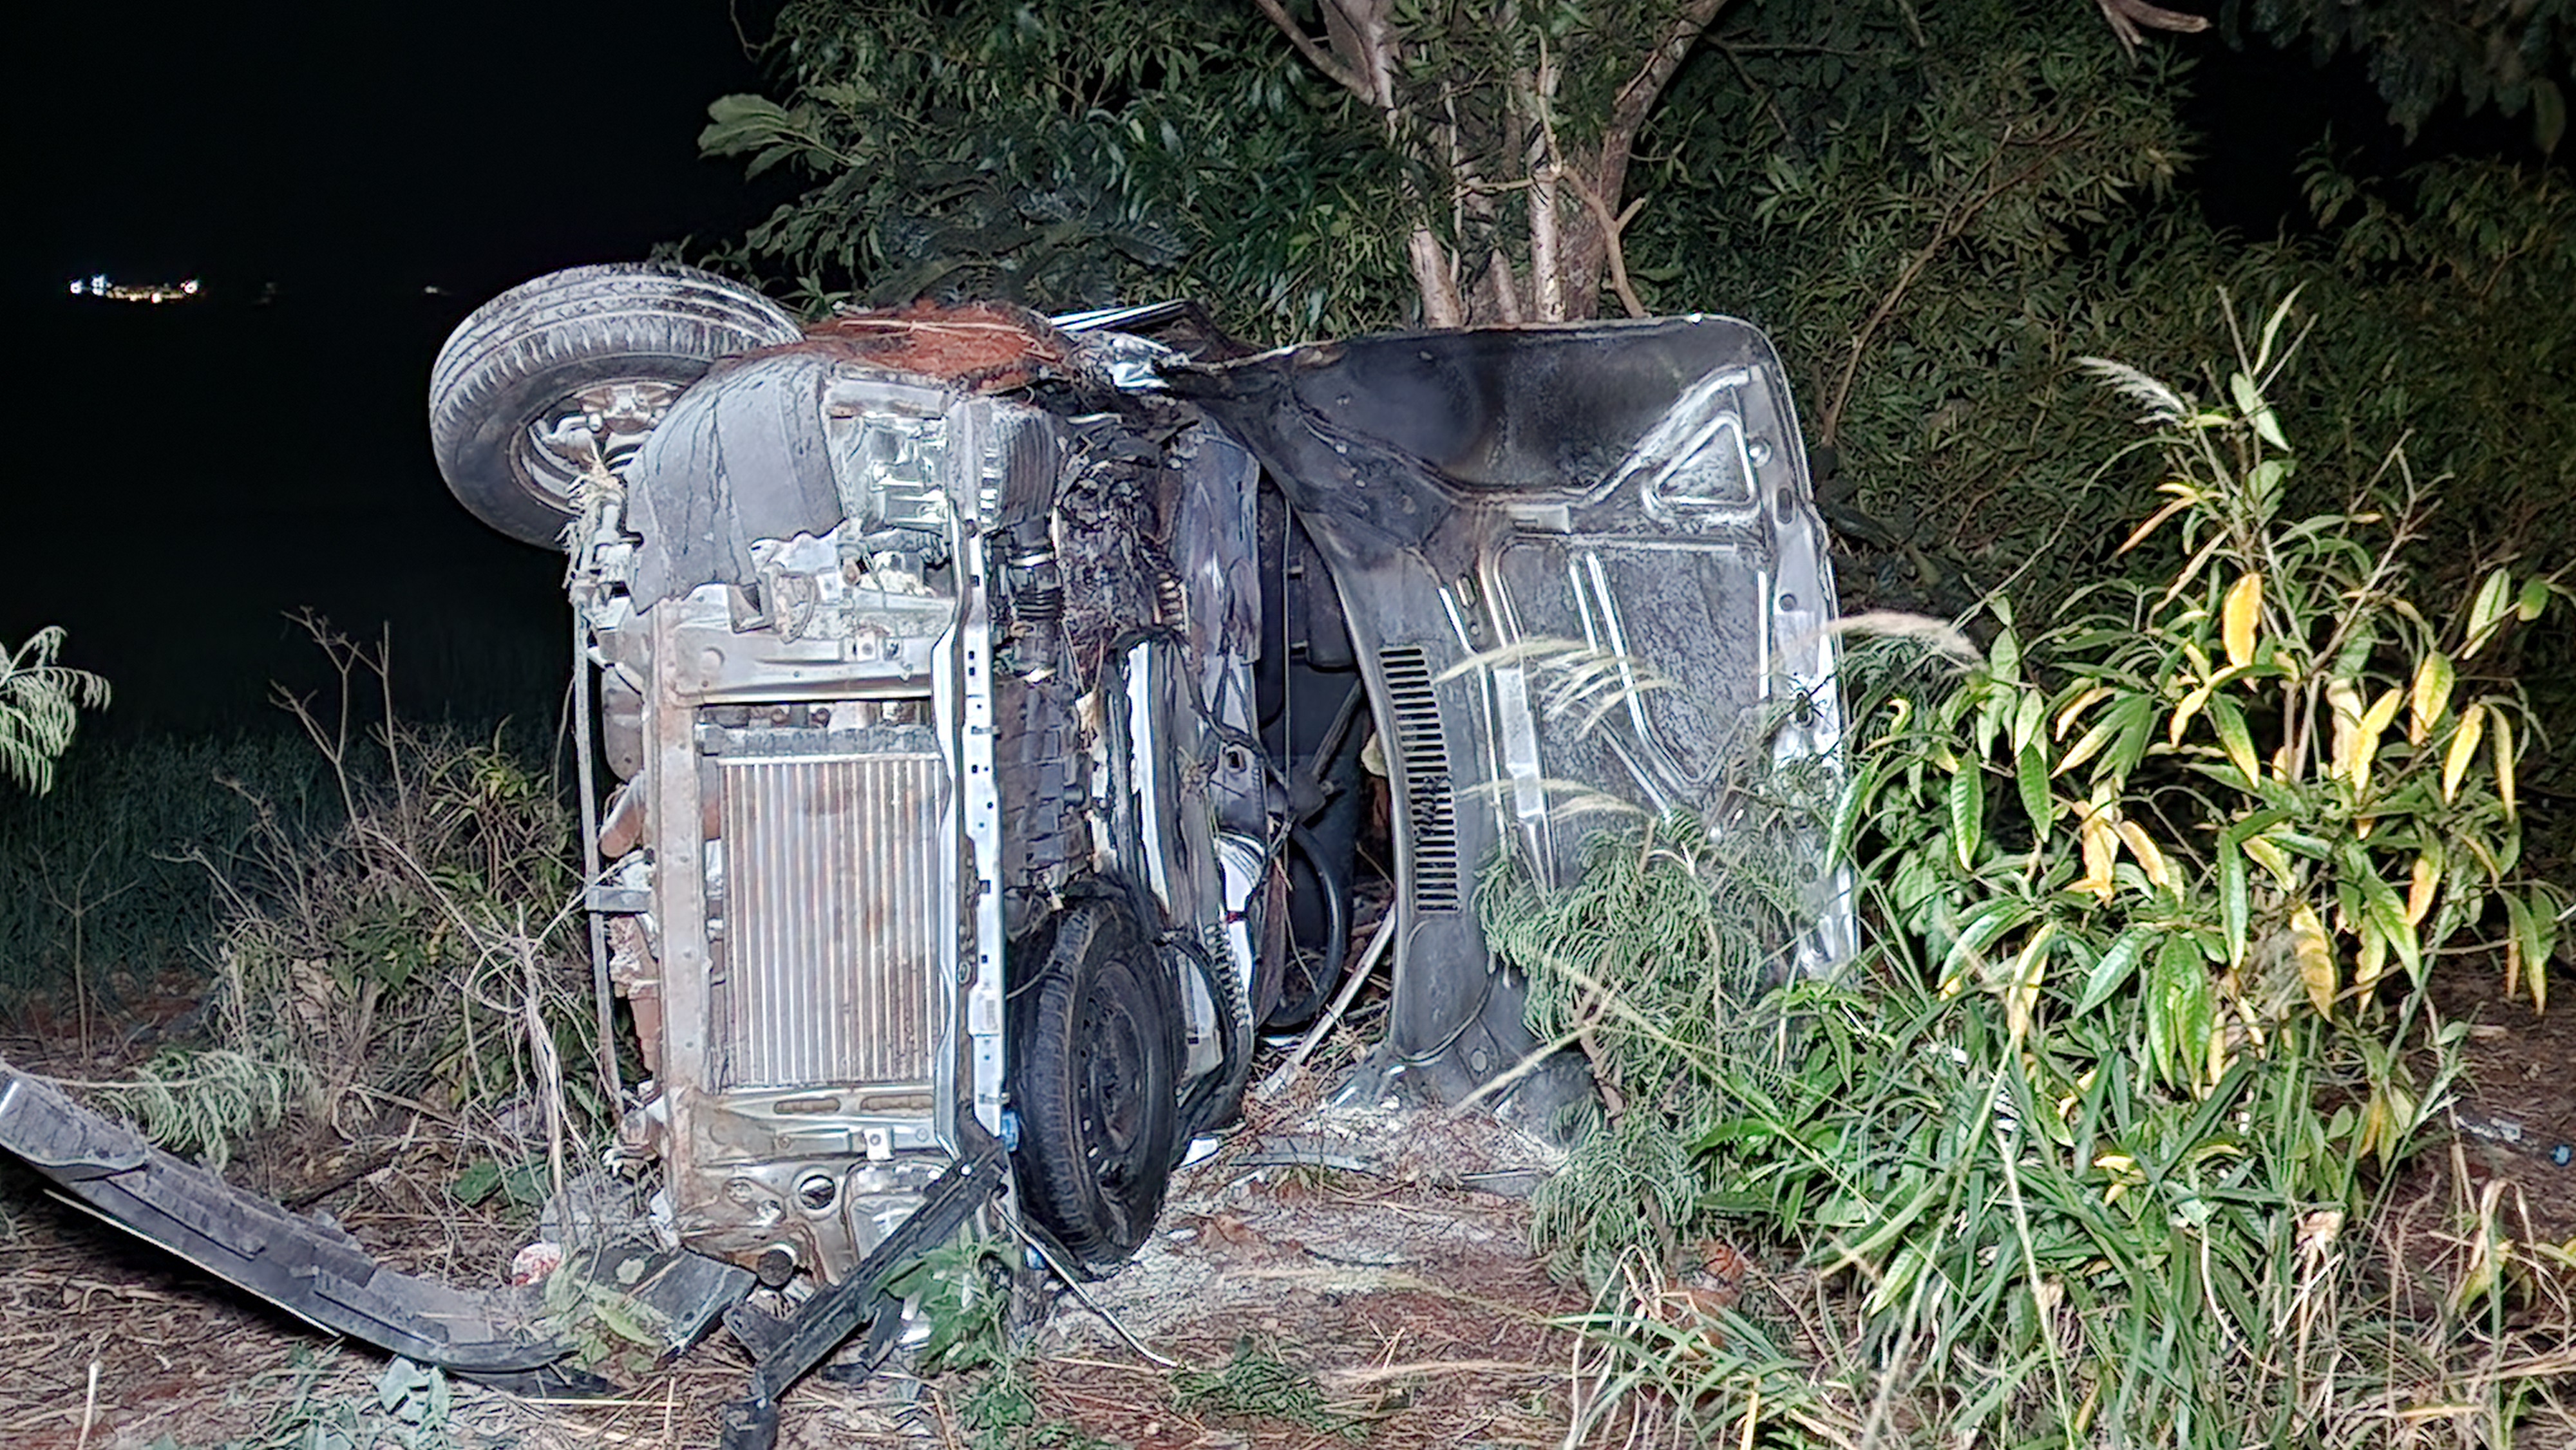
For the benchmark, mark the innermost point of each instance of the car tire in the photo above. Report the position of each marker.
(521, 360)
(1092, 1082)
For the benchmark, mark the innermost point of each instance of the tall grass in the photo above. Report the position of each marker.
(103, 879)
(2103, 1141)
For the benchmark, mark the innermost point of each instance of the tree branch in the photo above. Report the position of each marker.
(1950, 229)
(1638, 96)
(2127, 17)
(1615, 250)
(1321, 59)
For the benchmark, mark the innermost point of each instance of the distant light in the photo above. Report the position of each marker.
(97, 285)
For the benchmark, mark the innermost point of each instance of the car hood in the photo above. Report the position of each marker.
(1581, 564)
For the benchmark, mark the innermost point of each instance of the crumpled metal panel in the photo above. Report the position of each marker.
(833, 909)
(1576, 562)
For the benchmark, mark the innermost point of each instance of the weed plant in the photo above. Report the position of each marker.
(40, 705)
(2097, 1145)
(419, 953)
(409, 1407)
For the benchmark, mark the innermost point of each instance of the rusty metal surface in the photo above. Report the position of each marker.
(833, 908)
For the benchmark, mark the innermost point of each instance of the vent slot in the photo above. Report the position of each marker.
(1422, 749)
(831, 921)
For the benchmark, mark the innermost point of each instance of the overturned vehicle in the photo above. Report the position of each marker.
(992, 709)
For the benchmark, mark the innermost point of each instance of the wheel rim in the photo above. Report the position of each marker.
(1114, 1073)
(605, 421)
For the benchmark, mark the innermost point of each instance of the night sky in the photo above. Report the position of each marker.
(183, 476)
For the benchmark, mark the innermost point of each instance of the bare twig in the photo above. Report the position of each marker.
(1952, 227)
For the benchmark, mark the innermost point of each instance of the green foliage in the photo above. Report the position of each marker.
(410, 1407)
(1065, 155)
(2094, 1140)
(393, 957)
(2248, 782)
(1255, 1384)
(103, 878)
(40, 705)
(2423, 53)
(199, 1102)
(1935, 225)
(396, 956)
(964, 1288)
(1652, 963)
(605, 1324)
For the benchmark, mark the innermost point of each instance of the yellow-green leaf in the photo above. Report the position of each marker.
(2268, 854)
(2494, 597)
(2316, 956)
(2533, 599)
(2503, 734)
(2022, 997)
(2464, 747)
(2238, 743)
(2074, 709)
(2345, 703)
(2155, 521)
(2101, 845)
(2373, 724)
(2421, 883)
(2237, 618)
(2430, 697)
(2371, 961)
(2522, 945)
(2143, 846)
(2183, 714)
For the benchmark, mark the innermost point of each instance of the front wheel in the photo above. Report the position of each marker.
(578, 362)
(1093, 1083)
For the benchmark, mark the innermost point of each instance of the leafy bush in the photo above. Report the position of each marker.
(422, 949)
(2098, 1137)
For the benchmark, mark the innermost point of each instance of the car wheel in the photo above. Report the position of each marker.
(574, 362)
(1092, 1082)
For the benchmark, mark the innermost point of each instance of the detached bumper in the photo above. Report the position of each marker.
(302, 1265)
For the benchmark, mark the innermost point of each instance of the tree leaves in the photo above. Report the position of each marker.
(40, 705)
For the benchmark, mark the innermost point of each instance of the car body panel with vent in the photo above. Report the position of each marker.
(1573, 561)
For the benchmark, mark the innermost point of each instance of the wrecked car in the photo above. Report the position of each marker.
(991, 712)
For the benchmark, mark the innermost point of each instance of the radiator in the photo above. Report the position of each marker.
(834, 913)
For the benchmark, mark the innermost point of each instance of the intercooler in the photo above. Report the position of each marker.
(833, 919)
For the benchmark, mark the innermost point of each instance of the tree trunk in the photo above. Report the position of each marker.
(1568, 243)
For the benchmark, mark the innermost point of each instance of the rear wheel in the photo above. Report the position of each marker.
(574, 364)
(1097, 1054)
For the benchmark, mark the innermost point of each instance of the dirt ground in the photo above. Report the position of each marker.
(2516, 1103)
(1382, 1253)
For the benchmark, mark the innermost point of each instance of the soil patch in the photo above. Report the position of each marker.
(2516, 1108)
